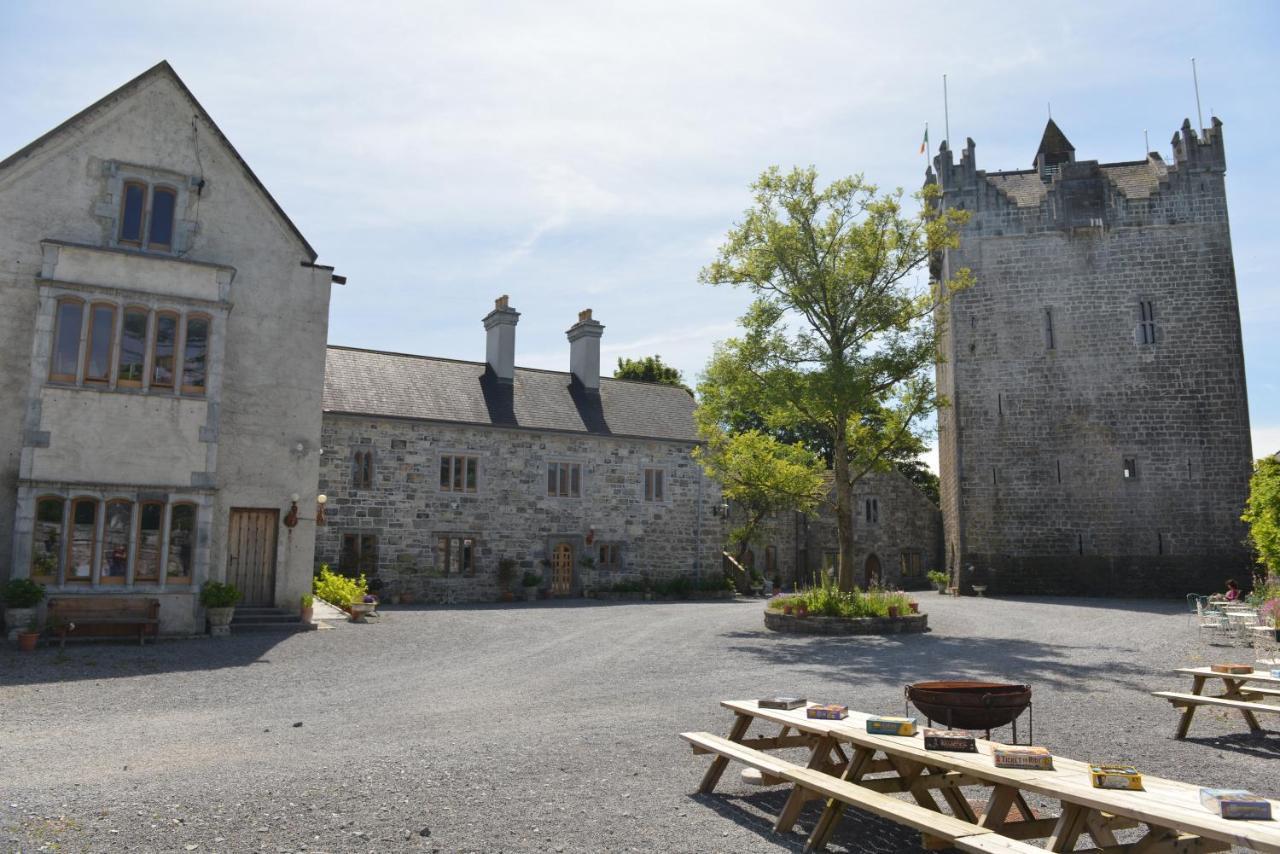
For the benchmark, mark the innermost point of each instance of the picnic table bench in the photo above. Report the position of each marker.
(849, 767)
(1241, 691)
(101, 616)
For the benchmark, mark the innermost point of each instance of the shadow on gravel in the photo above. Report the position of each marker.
(551, 604)
(1265, 744)
(1141, 606)
(900, 659)
(857, 832)
(111, 660)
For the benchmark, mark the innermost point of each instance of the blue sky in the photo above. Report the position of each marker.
(579, 154)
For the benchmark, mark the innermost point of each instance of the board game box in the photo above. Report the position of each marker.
(828, 712)
(1236, 803)
(781, 702)
(950, 740)
(1115, 777)
(1231, 669)
(891, 726)
(1018, 756)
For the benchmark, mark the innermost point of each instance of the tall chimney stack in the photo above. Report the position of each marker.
(500, 346)
(584, 351)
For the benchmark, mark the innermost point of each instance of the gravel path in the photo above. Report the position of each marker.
(543, 727)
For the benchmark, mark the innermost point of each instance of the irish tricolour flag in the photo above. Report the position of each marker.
(924, 143)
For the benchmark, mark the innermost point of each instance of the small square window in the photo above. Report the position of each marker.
(564, 480)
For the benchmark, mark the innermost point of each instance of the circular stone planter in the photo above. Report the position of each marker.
(811, 625)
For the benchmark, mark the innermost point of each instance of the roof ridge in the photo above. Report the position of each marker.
(163, 67)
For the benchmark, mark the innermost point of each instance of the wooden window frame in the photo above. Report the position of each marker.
(200, 390)
(142, 214)
(149, 211)
(468, 461)
(655, 484)
(911, 563)
(155, 347)
(445, 554)
(129, 538)
(565, 470)
(127, 310)
(614, 556)
(89, 342)
(56, 576)
(168, 544)
(57, 335)
(96, 545)
(161, 546)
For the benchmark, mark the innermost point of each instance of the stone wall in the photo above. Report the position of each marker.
(1055, 394)
(510, 515)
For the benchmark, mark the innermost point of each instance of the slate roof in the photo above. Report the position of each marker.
(1054, 141)
(1136, 179)
(426, 388)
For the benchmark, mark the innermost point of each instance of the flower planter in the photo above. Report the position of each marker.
(306, 614)
(531, 594)
(914, 606)
(360, 610)
(220, 617)
(786, 609)
(27, 641)
(818, 625)
(16, 620)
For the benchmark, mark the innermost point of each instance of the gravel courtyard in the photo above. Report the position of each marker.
(540, 727)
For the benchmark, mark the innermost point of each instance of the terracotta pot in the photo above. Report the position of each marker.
(306, 613)
(406, 598)
(786, 609)
(27, 641)
(16, 620)
(507, 596)
(893, 610)
(802, 611)
(915, 607)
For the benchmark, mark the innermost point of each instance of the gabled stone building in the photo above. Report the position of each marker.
(162, 334)
(436, 470)
(1098, 435)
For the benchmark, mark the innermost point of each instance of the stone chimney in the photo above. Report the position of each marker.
(500, 348)
(584, 351)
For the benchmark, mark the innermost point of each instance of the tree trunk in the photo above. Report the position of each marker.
(844, 508)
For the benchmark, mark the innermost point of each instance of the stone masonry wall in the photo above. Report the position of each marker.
(510, 515)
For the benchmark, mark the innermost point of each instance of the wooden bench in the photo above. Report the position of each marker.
(1189, 702)
(99, 617)
(934, 825)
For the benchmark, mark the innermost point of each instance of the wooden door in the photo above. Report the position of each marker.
(872, 571)
(562, 569)
(251, 554)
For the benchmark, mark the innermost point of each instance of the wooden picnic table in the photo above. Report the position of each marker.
(1241, 691)
(1170, 810)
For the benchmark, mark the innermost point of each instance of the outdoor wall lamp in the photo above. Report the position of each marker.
(721, 510)
(291, 518)
(321, 500)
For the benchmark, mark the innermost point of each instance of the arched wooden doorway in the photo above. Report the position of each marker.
(561, 569)
(872, 571)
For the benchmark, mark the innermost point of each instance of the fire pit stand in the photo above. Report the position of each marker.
(972, 705)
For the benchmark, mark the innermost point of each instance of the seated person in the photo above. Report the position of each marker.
(1232, 594)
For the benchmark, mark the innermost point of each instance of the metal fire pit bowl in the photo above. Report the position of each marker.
(972, 705)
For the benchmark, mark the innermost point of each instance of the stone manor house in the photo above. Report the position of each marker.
(1098, 438)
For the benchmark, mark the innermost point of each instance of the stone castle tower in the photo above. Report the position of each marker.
(1098, 435)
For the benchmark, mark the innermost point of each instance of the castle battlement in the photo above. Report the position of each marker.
(1061, 193)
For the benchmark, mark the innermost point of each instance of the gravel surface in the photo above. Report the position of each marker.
(541, 727)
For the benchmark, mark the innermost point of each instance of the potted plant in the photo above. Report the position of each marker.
(21, 596)
(802, 610)
(219, 601)
(28, 636)
(939, 580)
(786, 608)
(506, 575)
(530, 583)
(308, 607)
(914, 606)
(894, 611)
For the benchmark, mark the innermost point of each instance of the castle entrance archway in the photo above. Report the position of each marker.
(871, 572)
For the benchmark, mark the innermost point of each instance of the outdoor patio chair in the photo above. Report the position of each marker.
(1214, 622)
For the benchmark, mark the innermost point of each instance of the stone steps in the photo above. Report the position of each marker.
(259, 619)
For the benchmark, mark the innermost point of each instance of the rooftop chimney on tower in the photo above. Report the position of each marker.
(584, 351)
(500, 348)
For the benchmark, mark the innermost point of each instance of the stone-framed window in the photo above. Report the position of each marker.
(912, 563)
(362, 468)
(609, 556)
(147, 215)
(1049, 341)
(143, 207)
(359, 554)
(82, 540)
(456, 554)
(107, 344)
(564, 479)
(655, 484)
(871, 510)
(1130, 468)
(459, 473)
(1146, 332)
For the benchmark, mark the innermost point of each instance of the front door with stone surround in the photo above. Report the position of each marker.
(562, 569)
(251, 553)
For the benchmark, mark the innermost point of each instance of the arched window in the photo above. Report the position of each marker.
(102, 335)
(133, 205)
(83, 541)
(164, 201)
(146, 567)
(164, 350)
(133, 347)
(195, 356)
(46, 546)
(362, 470)
(182, 542)
(117, 535)
(65, 359)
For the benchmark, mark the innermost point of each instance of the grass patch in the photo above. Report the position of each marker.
(825, 599)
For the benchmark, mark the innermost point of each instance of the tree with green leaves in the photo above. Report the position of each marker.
(1262, 513)
(838, 336)
(650, 369)
(759, 475)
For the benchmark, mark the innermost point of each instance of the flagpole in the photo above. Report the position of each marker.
(1196, 79)
(946, 114)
